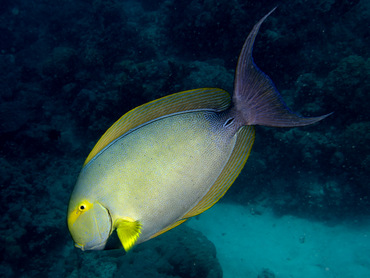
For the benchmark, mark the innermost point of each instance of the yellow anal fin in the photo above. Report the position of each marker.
(168, 228)
(128, 232)
(239, 156)
(204, 98)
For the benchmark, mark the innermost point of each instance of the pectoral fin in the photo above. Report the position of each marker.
(128, 232)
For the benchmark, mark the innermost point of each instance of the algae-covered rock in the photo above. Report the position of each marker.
(183, 252)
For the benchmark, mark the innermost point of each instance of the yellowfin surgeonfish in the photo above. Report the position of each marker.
(173, 158)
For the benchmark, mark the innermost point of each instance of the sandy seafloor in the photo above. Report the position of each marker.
(70, 68)
(250, 243)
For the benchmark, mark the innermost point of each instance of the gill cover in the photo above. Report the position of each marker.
(90, 225)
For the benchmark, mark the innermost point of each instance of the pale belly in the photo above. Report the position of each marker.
(160, 171)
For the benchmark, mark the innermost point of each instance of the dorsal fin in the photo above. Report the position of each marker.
(198, 99)
(228, 175)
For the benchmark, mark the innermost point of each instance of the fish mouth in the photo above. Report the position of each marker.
(100, 242)
(82, 247)
(87, 247)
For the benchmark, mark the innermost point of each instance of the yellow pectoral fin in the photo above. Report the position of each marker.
(128, 232)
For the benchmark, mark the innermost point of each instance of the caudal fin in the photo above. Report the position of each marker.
(255, 97)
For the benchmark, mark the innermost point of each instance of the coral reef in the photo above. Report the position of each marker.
(69, 69)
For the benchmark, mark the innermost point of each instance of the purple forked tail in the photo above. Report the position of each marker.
(255, 97)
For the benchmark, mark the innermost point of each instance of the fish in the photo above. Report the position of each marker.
(173, 158)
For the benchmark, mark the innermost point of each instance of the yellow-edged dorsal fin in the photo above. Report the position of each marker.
(168, 228)
(235, 164)
(128, 232)
(203, 98)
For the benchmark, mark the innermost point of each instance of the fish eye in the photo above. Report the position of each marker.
(83, 206)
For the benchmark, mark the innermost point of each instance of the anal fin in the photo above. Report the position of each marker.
(177, 223)
(236, 162)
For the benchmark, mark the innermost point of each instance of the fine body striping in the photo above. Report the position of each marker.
(167, 165)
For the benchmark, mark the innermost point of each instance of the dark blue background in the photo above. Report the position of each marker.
(69, 69)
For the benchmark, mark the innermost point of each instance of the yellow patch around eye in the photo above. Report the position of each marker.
(81, 208)
(85, 206)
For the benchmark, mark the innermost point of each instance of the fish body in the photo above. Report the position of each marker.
(172, 158)
(163, 161)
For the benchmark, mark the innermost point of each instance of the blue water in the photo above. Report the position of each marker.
(69, 69)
